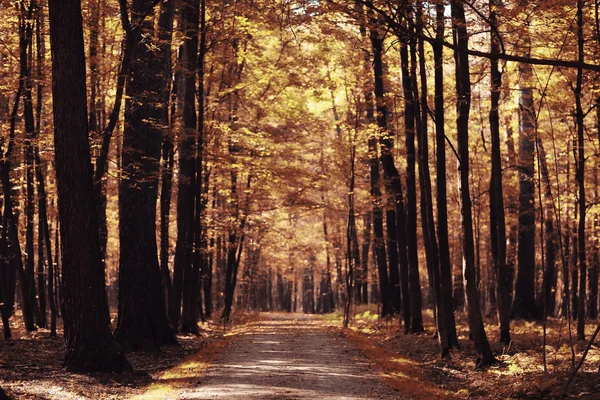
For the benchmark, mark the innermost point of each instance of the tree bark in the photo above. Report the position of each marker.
(416, 317)
(463, 104)
(497, 219)
(524, 300)
(581, 177)
(189, 53)
(90, 345)
(143, 321)
(447, 309)
(27, 278)
(165, 34)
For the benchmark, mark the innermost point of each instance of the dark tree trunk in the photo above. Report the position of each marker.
(7, 285)
(427, 217)
(27, 279)
(395, 217)
(379, 239)
(416, 318)
(579, 116)
(165, 34)
(573, 266)
(90, 346)
(463, 104)
(143, 321)
(408, 276)
(366, 246)
(379, 249)
(592, 306)
(497, 219)
(447, 309)
(524, 301)
(550, 237)
(189, 54)
(43, 231)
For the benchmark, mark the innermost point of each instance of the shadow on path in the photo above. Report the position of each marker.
(290, 357)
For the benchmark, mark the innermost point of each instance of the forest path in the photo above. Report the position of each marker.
(290, 356)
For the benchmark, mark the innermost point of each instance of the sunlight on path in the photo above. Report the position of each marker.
(290, 357)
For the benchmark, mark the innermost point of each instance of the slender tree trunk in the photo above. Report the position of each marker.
(550, 236)
(581, 177)
(389, 292)
(28, 291)
(416, 318)
(447, 310)
(497, 219)
(379, 248)
(524, 301)
(592, 306)
(43, 239)
(366, 246)
(90, 346)
(463, 103)
(165, 34)
(427, 216)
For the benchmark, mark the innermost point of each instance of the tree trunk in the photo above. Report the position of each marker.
(524, 301)
(463, 103)
(447, 309)
(395, 216)
(497, 219)
(43, 231)
(427, 217)
(165, 34)
(581, 177)
(379, 249)
(416, 318)
(189, 54)
(143, 321)
(90, 346)
(27, 279)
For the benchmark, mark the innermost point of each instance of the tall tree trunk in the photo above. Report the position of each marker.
(202, 177)
(463, 104)
(550, 236)
(43, 231)
(524, 300)
(497, 219)
(165, 34)
(447, 309)
(142, 321)
(189, 54)
(28, 277)
(427, 217)
(390, 291)
(379, 248)
(581, 177)
(90, 346)
(409, 81)
(235, 243)
(592, 306)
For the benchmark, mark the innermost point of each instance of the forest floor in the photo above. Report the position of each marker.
(294, 356)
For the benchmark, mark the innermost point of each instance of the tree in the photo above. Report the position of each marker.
(395, 217)
(524, 301)
(579, 118)
(497, 221)
(90, 345)
(143, 320)
(463, 104)
(447, 310)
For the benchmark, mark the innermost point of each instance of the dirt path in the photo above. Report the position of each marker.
(290, 357)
